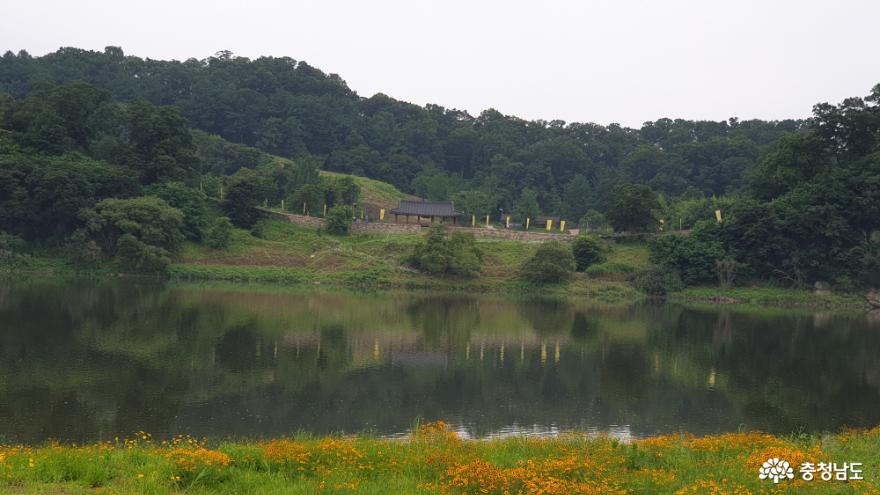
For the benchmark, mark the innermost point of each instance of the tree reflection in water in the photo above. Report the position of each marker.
(87, 361)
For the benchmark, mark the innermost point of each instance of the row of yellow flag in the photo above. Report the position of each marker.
(548, 226)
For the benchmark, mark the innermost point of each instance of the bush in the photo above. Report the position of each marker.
(657, 281)
(190, 201)
(551, 263)
(587, 251)
(693, 256)
(10, 246)
(138, 257)
(245, 190)
(443, 254)
(219, 236)
(339, 219)
(148, 219)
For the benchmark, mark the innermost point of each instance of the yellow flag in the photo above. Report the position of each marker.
(382, 214)
(473, 220)
(718, 215)
(562, 226)
(549, 225)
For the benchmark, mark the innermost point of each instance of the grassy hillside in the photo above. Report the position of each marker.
(375, 194)
(286, 253)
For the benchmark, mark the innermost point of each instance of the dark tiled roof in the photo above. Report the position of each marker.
(426, 209)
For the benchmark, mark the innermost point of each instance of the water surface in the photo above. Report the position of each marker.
(92, 361)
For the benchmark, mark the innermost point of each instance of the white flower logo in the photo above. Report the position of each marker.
(776, 469)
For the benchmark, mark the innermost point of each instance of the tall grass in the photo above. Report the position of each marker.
(434, 460)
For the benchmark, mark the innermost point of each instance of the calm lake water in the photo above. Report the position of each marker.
(91, 361)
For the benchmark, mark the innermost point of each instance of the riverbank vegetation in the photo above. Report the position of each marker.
(103, 171)
(434, 460)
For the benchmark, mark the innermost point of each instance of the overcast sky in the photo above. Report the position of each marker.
(623, 61)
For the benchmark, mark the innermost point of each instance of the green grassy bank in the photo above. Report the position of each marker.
(434, 460)
(285, 254)
(288, 254)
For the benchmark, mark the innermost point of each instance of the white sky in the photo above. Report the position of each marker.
(623, 61)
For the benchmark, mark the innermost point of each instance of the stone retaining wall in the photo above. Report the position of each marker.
(514, 235)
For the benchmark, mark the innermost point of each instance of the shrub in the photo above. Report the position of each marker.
(245, 190)
(588, 251)
(219, 236)
(190, 201)
(657, 281)
(339, 219)
(443, 254)
(693, 256)
(148, 219)
(138, 257)
(11, 246)
(551, 263)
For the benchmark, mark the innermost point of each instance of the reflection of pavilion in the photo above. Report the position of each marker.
(410, 348)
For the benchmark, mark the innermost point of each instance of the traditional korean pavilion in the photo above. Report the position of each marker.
(444, 211)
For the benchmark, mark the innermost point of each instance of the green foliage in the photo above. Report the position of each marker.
(632, 208)
(692, 256)
(593, 221)
(339, 219)
(139, 257)
(41, 196)
(147, 220)
(330, 191)
(444, 254)
(477, 203)
(192, 202)
(588, 251)
(244, 191)
(12, 249)
(218, 156)
(219, 235)
(685, 212)
(657, 281)
(552, 262)
(527, 205)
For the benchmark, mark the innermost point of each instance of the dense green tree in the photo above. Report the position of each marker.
(593, 221)
(576, 198)
(692, 256)
(527, 206)
(443, 253)
(290, 108)
(339, 219)
(632, 208)
(190, 201)
(148, 220)
(587, 251)
(478, 203)
(219, 234)
(41, 196)
(245, 190)
(552, 262)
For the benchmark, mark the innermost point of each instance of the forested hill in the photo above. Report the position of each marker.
(289, 108)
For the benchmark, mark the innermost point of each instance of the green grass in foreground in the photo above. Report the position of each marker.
(433, 460)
